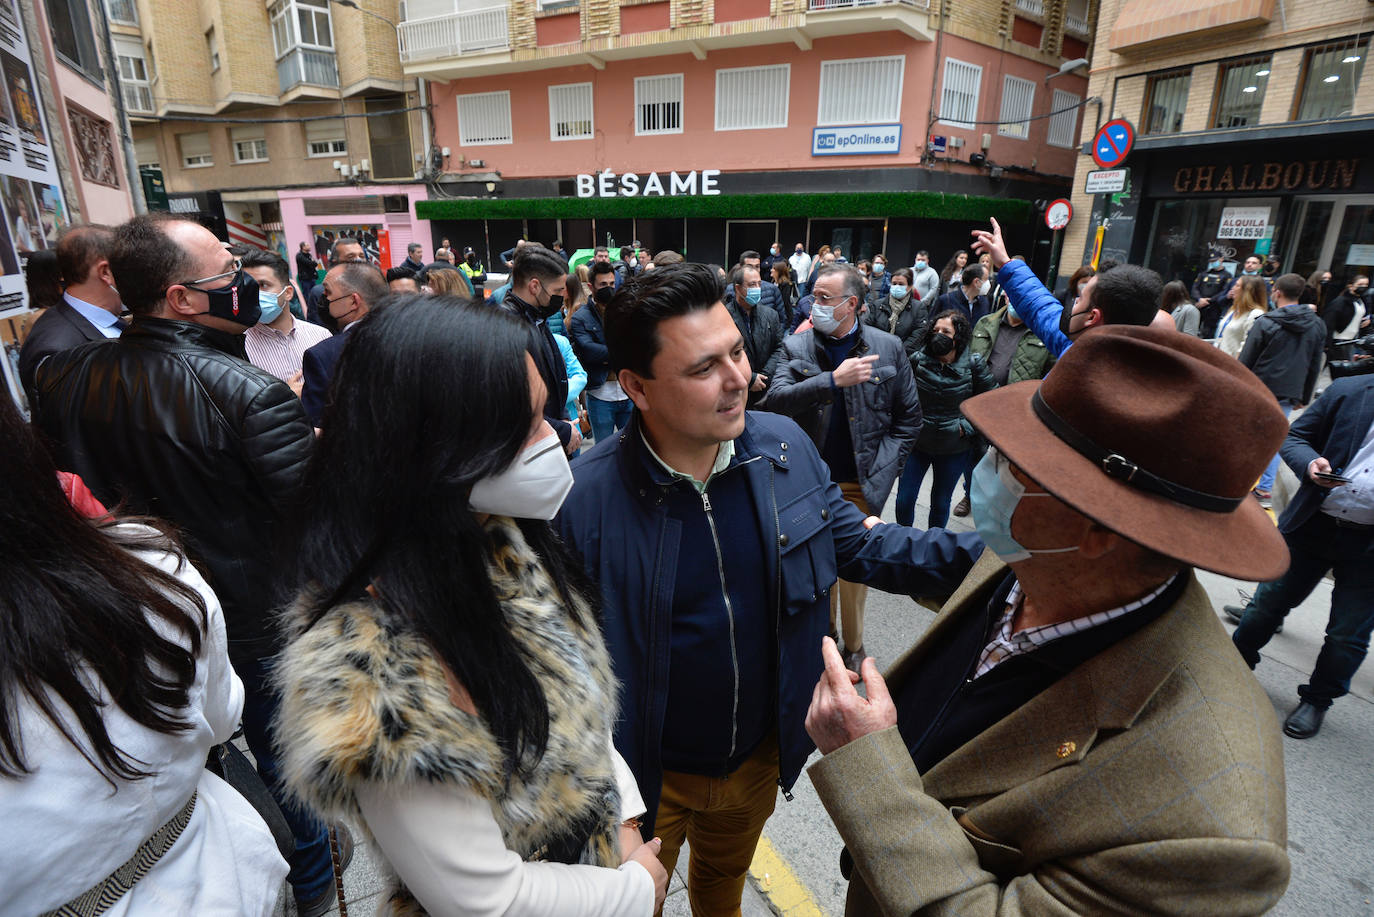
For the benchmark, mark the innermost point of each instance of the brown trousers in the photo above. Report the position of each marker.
(848, 599)
(721, 819)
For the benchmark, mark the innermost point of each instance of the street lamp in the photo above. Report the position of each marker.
(1064, 68)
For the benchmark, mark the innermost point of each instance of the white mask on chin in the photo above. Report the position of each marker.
(533, 487)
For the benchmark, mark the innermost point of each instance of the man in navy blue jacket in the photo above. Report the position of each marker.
(715, 535)
(1328, 526)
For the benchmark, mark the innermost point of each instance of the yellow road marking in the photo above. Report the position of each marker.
(779, 884)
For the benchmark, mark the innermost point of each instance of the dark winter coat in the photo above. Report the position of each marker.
(762, 342)
(910, 323)
(943, 387)
(1284, 348)
(884, 412)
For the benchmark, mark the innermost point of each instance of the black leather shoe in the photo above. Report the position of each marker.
(962, 507)
(323, 903)
(854, 660)
(1234, 614)
(1304, 722)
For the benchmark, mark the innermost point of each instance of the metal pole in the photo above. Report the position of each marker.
(125, 130)
(1052, 275)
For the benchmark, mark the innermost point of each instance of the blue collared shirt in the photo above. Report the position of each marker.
(106, 322)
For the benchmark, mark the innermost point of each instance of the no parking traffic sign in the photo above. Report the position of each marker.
(1058, 214)
(1113, 142)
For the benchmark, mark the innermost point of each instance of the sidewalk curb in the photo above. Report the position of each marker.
(774, 879)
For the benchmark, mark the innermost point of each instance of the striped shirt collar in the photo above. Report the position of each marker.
(1006, 644)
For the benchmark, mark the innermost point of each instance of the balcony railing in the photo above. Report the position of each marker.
(1034, 7)
(821, 6)
(1075, 23)
(455, 34)
(303, 65)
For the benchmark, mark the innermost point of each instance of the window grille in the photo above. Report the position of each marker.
(861, 91)
(959, 93)
(484, 118)
(1018, 99)
(658, 104)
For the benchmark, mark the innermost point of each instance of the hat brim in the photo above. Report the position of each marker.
(1243, 544)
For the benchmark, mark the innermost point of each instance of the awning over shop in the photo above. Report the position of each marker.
(925, 204)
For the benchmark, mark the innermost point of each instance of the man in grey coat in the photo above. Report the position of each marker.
(850, 387)
(761, 328)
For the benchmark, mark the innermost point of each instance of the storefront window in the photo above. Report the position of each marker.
(1240, 92)
(1310, 235)
(1183, 231)
(1330, 76)
(1354, 244)
(1166, 99)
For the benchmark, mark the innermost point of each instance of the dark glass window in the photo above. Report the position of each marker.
(1240, 92)
(1166, 99)
(70, 22)
(388, 138)
(1330, 75)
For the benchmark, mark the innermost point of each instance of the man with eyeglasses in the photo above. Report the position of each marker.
(350, 290)
(171, 420)
(343, 251)
(850, 387)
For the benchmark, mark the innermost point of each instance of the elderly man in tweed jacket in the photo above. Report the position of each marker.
(1075, 735)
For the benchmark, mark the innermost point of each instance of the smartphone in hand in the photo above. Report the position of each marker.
(1332, 477)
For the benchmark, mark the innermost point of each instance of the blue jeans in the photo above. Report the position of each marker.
(947, 471)
(1316, 546)
(1266, 481)
(312, 870)
(608, 416)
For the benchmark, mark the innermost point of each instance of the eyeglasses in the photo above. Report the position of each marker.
(195, 284)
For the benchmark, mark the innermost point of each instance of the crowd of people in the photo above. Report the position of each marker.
(341, 516)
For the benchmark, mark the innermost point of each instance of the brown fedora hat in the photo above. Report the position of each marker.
(1155, 435)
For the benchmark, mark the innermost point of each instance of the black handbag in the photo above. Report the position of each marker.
(233, 767)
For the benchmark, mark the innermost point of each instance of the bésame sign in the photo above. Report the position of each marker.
(631, 184)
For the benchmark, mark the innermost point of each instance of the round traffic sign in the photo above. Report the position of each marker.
(1058, 214)
(1112, 143)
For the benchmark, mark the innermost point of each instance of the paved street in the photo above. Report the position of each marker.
(1330, 784)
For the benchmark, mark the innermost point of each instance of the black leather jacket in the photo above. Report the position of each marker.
(173, 421)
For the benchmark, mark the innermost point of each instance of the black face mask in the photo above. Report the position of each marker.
(940, 344)
(237, 302)
(472, 259)
(1065, 318)
(604, 295)
(555, 304)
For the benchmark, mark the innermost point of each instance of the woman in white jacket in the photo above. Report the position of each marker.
(114, 684)
(1249, 300)
(444, 680)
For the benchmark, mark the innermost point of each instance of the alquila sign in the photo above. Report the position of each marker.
(650, 184)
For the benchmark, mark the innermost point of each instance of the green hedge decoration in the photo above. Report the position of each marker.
(933, 205)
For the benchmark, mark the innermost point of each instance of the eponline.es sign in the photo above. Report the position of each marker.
(856, 140)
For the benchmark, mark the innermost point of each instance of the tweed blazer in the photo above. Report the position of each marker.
(1147, 780)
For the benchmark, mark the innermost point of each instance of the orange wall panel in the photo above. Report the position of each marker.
(645, 17)
(735, 10)
(558, 30)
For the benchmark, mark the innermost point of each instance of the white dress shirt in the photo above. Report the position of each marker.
(105, 321)
(1354, 502)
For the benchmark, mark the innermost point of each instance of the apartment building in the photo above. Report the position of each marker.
(714, 127)
(274, 122)
(1254, 122)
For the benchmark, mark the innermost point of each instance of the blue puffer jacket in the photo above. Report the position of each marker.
(1036, 305)
(616, 520)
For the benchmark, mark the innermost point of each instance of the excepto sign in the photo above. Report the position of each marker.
(1058, 214)
(1113, 143)
(1106, 181)
(856, 140)
(631, 184)
(1243, 223)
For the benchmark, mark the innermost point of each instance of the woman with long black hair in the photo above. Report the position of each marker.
(114, 684)
(444, 678)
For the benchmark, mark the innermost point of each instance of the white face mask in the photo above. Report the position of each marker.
(533, 487)
(983, 290)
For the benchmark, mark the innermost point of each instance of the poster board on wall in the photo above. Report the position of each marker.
(33, 211)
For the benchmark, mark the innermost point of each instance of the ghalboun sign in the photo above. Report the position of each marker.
(1294, 175)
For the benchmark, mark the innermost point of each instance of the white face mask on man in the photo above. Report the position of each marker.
(533, 487)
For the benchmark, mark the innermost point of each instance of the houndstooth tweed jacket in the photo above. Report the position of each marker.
(1149, 780)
